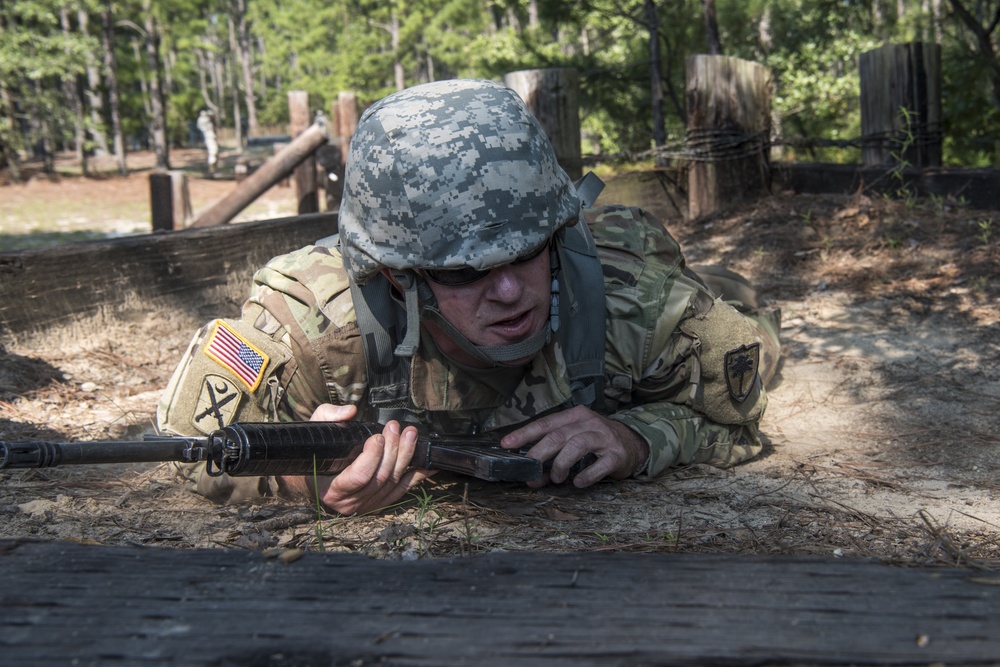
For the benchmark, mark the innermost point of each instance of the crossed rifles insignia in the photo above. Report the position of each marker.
(742, 366)
(216, 404)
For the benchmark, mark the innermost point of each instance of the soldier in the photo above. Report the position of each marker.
(469, 291)
(206, 124)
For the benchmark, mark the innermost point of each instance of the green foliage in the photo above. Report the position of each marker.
(328, 46)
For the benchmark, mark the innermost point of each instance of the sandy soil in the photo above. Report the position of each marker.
(882, 424)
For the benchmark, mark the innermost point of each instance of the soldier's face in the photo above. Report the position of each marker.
(510, 304)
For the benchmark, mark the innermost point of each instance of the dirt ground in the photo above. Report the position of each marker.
(882, 424)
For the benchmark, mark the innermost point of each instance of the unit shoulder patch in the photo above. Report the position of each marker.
(217, 403)
(742, 365)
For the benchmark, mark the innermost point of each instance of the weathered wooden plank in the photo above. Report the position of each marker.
(658, 191)
(553, 95)
(979, 188)
(728, 133)
(170, 200)
(180, 271)
(901, 104)
(66, 602)
(304, 177)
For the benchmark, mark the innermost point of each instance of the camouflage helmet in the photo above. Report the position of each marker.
(450, 174)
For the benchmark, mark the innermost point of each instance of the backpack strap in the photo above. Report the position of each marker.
(382, 323)
(582, 308)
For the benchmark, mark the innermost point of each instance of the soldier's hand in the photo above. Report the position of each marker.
(380, 475)
(566, 437)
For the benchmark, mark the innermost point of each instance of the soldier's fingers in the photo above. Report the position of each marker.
(386, 472)
(539, 429)
(407, 447)
(388, 495)
(327, 412)
(358, 475)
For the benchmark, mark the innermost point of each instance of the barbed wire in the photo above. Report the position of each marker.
(715, 145)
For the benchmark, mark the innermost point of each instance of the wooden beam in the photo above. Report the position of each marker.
(304, 178)
(67, 603)
(347, 120)
(901, 105)
(728, 133)
(126, 278)
(553, 95)
(170, 200)
(279, 166)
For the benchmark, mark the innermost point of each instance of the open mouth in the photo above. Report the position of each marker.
(514, 328)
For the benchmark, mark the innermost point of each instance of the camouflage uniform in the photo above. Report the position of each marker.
(667, 343)
(440, 176)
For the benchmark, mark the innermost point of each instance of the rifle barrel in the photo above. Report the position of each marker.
(52, 454)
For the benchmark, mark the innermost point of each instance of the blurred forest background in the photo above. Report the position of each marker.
(110, 76)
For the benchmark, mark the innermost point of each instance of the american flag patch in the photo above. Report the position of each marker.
(236, 354)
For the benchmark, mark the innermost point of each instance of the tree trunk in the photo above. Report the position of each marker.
(114, 97)
(901, 105)
(94, 99)
(246, 63)
(203, 81)
(42, 114)
(397, 65)
(984, 40)
(159, 102)
(234, 82)
(655, 77)
(729, 117)
(147, 107)
(72, 91)
(553, 96)
(8, 134)
(711, 28)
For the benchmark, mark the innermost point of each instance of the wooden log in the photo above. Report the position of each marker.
(169, 200)
(553, 95)
(347, 120)
(978, 188)
(728, 133)
(276, 168)
(67, 603)
(901, 105)
(87, 288)
(659, 192)
(304, 178)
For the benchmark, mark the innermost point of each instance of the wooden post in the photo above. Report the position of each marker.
(553, 95)
(347, 120)
(267, 175)
(901, 105)
(306, 191)
(728, 133)
(170, 200)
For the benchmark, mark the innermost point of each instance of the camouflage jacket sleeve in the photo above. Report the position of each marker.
(276, 362)
(681, 365)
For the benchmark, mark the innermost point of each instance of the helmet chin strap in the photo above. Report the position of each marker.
(420, 301)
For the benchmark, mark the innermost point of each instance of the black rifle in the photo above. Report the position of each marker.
(281, 448)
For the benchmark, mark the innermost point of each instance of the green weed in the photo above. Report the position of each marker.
(427, 521)
(985, 228)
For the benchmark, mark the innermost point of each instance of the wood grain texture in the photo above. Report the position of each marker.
(728, 132)
(182, 270)
(901, 105)
(68, 603)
